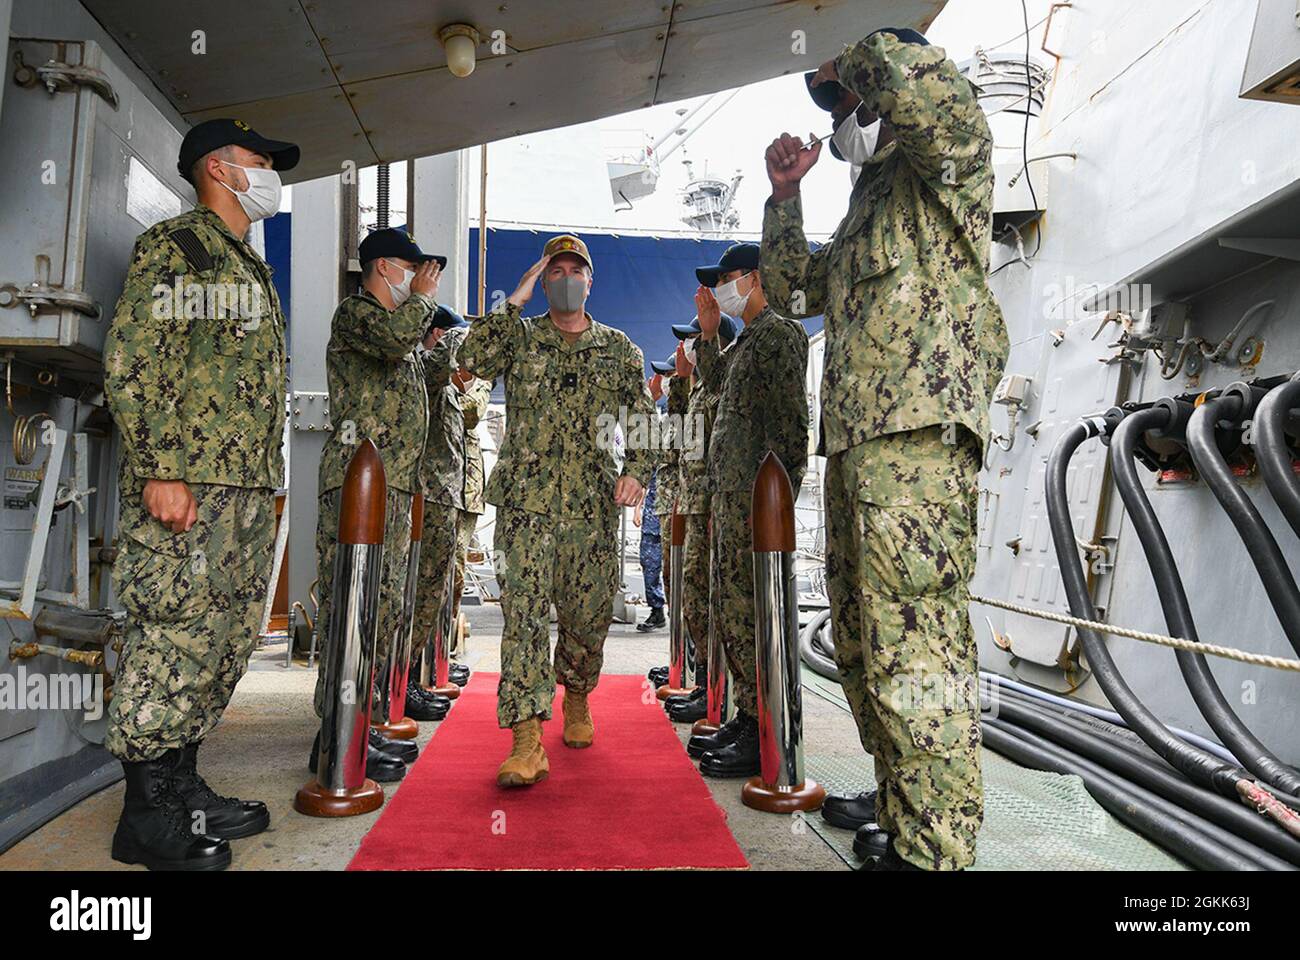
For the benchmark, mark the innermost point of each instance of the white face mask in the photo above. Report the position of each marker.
(856, 144)
(688, 348)
(730, 300)
(262, 198)
(401, 291)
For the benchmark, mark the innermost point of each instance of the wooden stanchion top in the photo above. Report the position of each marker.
(677, 531)
(364, 498)
(772, 515)
(417, 517)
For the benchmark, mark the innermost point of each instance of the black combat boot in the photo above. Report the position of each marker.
(702, 743)
(423, 705)
(155, 828)
(658, 675)
(681, 699)
(404, 750)
(889, 861)
(740, 758)
(850, 812)
(458, 674)
(380, 767)
(689, 710)
(652, 622)
(870, 842)
(225, 817)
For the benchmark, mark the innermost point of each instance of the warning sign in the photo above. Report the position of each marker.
(21, 484)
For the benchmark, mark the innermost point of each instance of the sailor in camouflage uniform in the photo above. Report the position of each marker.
(693, 503)
(914, 346)
(446, 470)
(377, 393)
(762, 407)
(668, 474)
(570, 384)
(194, 375)
(473, 409)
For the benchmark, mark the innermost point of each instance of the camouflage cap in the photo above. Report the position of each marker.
(568, 243)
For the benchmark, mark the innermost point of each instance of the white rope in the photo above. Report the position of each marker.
(1228, 653)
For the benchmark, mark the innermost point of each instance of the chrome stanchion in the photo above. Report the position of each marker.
(717, 704)
(391, 719)
(781, 786)
(340, 788)
(681, 655)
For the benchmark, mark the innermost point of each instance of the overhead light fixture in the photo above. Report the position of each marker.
(460, 41)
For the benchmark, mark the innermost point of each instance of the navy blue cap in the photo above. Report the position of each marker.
(906, 34)
(739, 256)
(667, 368)
(826, 95)
(395, 244)
(726, 329)
(445, 318)
(210, 135)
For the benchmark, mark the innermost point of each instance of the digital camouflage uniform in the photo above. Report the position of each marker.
(694, 503)
(197, 391)
(376, 393)
(762, 406)
(914, 345)
(652, 548)
(473, 408)
(446, 461)
(557, 536)
(668, 476)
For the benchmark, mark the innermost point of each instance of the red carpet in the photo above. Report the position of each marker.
(631, 801)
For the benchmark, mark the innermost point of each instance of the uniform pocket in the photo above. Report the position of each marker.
(913, 550)
(160, 576)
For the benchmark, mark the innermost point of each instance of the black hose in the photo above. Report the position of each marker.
(1081, 706)
(813, 653)
(1263, 549)
(1152, 775)
(1271, 451)
(1183, 834)
(1200, 767)
(1218, 713)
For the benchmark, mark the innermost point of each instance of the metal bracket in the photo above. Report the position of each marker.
(41, 295)
(311, 410)
(57, 77)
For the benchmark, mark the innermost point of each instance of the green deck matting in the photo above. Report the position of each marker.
(1033, 820)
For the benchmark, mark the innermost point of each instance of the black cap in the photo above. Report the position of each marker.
(726, 329)
(394, 244)
(445, 318)
(906, 34)
(210, 135)
(667, 368)
(826, 95)
(740, 256)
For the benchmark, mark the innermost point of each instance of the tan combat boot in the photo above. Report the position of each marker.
(527, 763)
(578, 728)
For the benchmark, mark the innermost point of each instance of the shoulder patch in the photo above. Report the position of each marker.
(192, 248)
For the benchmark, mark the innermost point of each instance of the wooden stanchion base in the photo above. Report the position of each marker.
(760, 796)
(702, 728)
(315, 801)
(664, 692)
(403, 729)
(451, 691)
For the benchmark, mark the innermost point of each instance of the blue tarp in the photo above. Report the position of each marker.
(643, 284)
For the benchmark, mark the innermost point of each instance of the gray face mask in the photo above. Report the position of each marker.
(566, 294)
